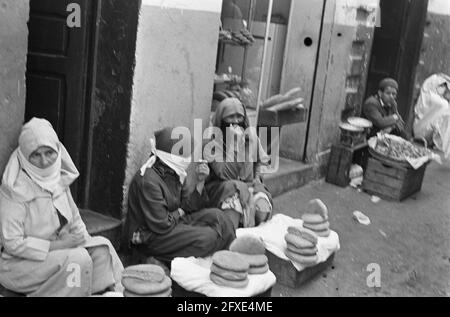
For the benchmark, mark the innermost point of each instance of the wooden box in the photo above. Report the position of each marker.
(289, 276)
(350, 138)
(341, 159)
(391, 181)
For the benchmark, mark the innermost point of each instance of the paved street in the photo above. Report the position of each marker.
(409, 240)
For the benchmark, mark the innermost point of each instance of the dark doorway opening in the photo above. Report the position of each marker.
(80, 79)
(58, 75)
(396, 49)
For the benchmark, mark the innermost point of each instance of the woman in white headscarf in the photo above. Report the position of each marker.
(45, 247)
(432, 113)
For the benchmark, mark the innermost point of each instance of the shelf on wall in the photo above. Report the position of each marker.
(234, 43)
(273, 118)
(235, 79)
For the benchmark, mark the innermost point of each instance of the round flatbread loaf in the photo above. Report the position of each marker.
(259, 269)
(228, 275)
(166, 293)
(317, 227)
(256, 260)
(146, 272)
(303, 260)
(304, 233)
(316, 206)
(248, 245)
(324, 234)
(231, 261)
(223, 282)
(141, 287)
(313, 219)
(298, 241)
(302, 251)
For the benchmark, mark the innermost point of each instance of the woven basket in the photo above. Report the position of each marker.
(388, 160)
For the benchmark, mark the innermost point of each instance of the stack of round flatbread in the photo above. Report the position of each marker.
(229, 269)
(316, 223)
(316, 218)
(301, 246)
(146, 280)
(253, 251)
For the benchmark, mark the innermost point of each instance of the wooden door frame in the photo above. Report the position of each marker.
(314, 83)
(410, 92)
(401, 45)
(409, 117)
(90, 74)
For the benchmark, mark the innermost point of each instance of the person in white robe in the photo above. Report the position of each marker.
(45, 247)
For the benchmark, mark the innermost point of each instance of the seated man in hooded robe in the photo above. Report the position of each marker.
(167, 215)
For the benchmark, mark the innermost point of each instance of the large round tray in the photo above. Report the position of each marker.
(388, 160)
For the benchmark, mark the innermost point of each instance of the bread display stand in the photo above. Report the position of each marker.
(392, 181)
(289, 276)
(190, 278)
(273, 235)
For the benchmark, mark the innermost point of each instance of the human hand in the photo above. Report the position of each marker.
(400, 125)
(262, 205)
(181, 212)
(239, 132)
(70, 240)
(263, 211)
(257, 179)
(202, 171)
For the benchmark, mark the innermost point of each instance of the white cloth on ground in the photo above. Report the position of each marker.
(273, 231)
(193, 275)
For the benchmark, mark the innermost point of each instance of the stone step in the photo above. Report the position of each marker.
(290, 175)
(101, 225)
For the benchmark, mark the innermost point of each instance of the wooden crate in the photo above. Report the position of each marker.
(351, 139)
(341, 159)
(289, 276)
(391, 181)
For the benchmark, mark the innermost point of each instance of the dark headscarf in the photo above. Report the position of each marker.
(228, 107)
(387, 82)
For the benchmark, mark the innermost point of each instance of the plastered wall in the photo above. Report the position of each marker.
(174, 73)
(13, 52)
